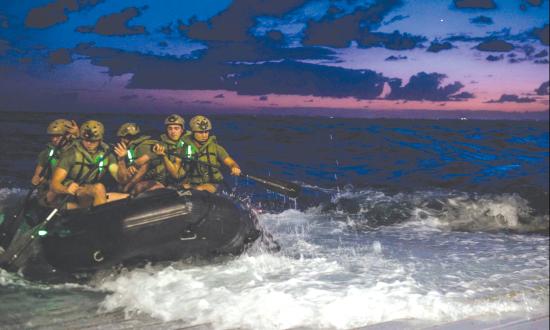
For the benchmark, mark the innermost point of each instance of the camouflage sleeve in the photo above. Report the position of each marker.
(221, 153)
(67, 160)
(43, 158)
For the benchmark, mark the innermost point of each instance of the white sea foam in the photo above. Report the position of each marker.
(324, 280)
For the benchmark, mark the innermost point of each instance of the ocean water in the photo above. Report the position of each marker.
(418, 221)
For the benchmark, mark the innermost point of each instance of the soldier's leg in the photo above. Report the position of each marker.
(85, 196)
(146, 186)
(99, 193)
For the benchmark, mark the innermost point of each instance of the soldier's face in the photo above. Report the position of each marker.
(55, 139)
(90, 146)
(174, 132)
(201, 136)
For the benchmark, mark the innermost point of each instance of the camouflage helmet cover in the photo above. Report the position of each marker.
(174, 119)
(200, 123)
(58, 127)
(92, 130)
(126, 129)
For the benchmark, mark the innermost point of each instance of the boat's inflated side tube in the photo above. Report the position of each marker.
(163, 224)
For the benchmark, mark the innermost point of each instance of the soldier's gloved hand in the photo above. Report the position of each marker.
(121, 150)
(159, 150)
(132, 170)
(73, 129)
(73, 188)
(36, 180)
(236, 171)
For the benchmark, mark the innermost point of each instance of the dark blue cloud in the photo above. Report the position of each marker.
(544, 89)
(209, 73)
(533, 3)
(475, 4)
(426, 87)
(396, 19)
(234, 23)
(115, 24)
(542, 53)
(60, 56)
(396, 58)
(493, 58)
(542, 34)
(436, 47)
(339, 32)
(495, 46)
(463, 96)
(56, 12)
(512, 98)
(482, 20)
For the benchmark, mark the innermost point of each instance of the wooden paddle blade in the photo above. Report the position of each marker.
(289, 189)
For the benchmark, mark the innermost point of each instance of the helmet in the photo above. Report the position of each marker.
(58, 127)
(200, 123)
(174, 120)
(92, 130)
(131, 129)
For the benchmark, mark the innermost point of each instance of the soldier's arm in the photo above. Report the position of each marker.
(233, 166)
(228, 161)
(142, 170)
(122, 175)
(60, 174)
(36, 178)
(172, 167)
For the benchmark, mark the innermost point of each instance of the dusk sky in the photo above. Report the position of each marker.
(245, 55)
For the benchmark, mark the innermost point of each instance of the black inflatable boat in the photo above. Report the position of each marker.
(161, 225)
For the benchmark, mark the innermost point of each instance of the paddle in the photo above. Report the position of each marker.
(13, 223)
(13, 252)
(289, 189)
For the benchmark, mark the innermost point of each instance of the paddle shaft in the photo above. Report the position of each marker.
(285, 188)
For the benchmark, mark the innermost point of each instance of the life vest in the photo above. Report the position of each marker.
(54, 154)
(84, 163)
(176, 149)
(197, 172)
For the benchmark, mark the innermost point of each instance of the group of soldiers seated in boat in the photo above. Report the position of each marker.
(77, 162)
